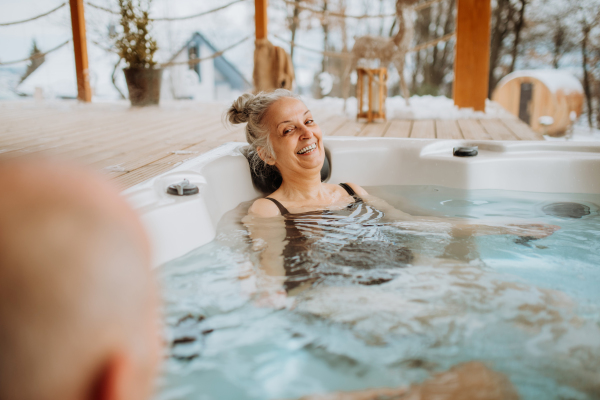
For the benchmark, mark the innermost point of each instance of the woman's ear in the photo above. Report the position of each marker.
(262, 153)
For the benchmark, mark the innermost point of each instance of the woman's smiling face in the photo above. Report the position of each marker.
(295, 136)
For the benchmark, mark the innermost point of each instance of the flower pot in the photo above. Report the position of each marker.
(143, 85)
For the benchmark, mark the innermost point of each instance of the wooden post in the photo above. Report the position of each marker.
(84, 92)
(472, 60)
(260, 18)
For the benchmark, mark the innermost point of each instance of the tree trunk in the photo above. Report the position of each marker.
(518, 28)
(325, 25)
(293, 27)
(586, 78)
(501, 17)
(440, 64)
(558, 42)
(393, 26)
(343, 27)
(422, 35)
(381, 2)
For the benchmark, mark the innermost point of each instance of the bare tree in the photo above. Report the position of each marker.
(503, 16)
(294, 24)
(518, 29)
(325, 26)
(588, 18)
(433, 66)
(596, 88)
(550, 28)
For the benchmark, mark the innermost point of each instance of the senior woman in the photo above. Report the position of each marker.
(326, 224)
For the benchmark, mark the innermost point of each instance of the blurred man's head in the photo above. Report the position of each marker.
(78, 315)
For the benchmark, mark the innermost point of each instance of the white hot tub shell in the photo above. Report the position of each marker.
(178, 224)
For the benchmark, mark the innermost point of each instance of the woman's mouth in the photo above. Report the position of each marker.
(307, 149)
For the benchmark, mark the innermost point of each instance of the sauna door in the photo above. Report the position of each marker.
(525, 99)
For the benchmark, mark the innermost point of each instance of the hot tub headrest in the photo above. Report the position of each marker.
(267, 178)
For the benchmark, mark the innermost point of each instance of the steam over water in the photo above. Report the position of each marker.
(376, 306)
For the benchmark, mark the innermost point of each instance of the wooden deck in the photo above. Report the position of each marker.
(134, 144)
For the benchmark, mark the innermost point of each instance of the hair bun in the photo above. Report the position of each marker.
(238, 112)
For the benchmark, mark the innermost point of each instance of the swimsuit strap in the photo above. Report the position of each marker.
(348, 189)
(282, 209)
(351, 192)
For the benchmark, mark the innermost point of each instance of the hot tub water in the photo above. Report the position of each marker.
(528, 308)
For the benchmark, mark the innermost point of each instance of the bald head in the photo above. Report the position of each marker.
(77, 299)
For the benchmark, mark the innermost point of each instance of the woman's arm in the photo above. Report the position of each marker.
(457, 227)
(267, 232)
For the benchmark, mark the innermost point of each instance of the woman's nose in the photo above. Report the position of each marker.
(306, 133)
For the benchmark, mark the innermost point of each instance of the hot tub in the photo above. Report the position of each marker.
(177, 225)
(527, 308)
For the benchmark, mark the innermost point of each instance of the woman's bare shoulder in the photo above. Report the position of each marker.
(264, 208)
(357, 189)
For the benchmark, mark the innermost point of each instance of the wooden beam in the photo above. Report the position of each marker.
(472, 60)
(260, 18)
(84, 92)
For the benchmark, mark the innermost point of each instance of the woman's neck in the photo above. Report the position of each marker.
(303, 187)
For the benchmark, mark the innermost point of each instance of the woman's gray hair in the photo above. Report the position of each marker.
(251, 109)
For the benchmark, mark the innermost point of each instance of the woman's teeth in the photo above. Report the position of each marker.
(308, 149)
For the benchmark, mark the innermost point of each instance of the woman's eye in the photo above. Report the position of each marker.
(285, 132)
(310, 121)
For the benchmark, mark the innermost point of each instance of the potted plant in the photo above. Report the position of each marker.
(135, 45)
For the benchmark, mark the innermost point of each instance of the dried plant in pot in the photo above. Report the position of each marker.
(137, 48)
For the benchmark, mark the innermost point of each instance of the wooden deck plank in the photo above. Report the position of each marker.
(423, 129)
(78, 131)
(131, 145)
(521, 130)
(497, 130)
(126, 140)
(472, 130)
(38, 123)
(349, 128)
(447, 129)
(156, 152)
(374, 129)
(86, 142)
(73, 125)
(399, 128)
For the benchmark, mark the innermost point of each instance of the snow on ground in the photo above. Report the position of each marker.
(421, 107)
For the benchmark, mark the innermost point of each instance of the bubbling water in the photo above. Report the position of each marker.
(385, 307)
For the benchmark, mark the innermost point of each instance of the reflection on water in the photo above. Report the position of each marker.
(381, 307)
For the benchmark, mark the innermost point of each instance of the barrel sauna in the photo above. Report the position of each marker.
(532, 94)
